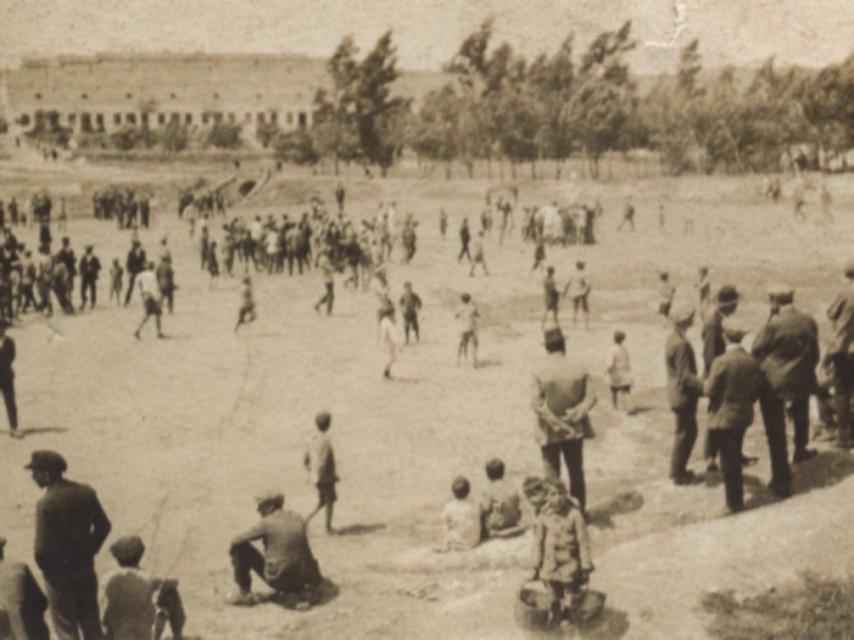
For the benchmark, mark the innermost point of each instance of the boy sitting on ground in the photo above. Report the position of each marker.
(462, 519)
(138, 606)
(499, 507)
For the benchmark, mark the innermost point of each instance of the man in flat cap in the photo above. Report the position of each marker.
(7, 378)
(732, 387)
(684, 389)
(138, 606)
(22, 603)
(788, 353)
(726, 302)
(287, 563)
(71, 527)
(841, 355)
(562, 397)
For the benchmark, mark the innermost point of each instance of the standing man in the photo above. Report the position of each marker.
(684, 389)
(340, 194)
(22, 602)
(578, 289)
(151, 299)
(465, 238)
(552, 295)
(562, 397)
(788, 353)
(666, 293)
(13, 212)
(732, 387)
(7, 378)
(135, 265)
(66, 256)
(71, 526)
(839, 354)
(714, 345)
(90, 266)
(410, 306)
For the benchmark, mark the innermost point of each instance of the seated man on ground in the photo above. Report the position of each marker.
(499, 507)
(462, 519)
(136, 605)
(287, 563)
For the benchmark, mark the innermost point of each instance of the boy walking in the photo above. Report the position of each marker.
(247, 304)
(319, 461)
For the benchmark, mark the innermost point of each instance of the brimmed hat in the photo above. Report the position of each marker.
(734, 329)
(781, 292)
(46, 460)
(849, 269)
(682, 314)
(128, 549)
(727, 296)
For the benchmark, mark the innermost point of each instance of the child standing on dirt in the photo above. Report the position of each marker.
(116, 277)
(561, 549)
(468, 316)
(247, 304)
(619, 369)
(213, 263)
(319, 461)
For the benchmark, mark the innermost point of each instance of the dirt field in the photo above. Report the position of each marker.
(177, 435)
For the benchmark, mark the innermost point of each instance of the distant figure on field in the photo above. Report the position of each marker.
(628, 215)
(246, 313)
(468, 316)
(319, 461)
(619, 369)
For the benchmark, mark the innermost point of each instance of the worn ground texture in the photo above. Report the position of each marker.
(176, 435)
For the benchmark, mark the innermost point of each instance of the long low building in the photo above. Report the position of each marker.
(105, 92)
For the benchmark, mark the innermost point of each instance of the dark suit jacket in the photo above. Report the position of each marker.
(788, 352)
(732, 388)
(71, 526)
(713, 341)
(136, 261)
(683, 386)
(7, 358)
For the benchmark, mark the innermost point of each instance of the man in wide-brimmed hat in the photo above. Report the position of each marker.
(684, 389)
(788, 353)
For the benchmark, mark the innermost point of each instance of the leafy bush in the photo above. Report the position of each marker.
(224, 136)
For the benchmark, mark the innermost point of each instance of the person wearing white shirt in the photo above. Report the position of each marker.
(388, 339)
(619, 369)
(150, 291)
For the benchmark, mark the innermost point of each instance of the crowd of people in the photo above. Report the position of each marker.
(779, 373)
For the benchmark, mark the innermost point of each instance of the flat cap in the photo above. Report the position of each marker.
(552, 334)
(46, 460)
(270, 496)
(781, 292)
(849, 269)
(727, 296)
(734, 329)
(682, 314)
(128, 549)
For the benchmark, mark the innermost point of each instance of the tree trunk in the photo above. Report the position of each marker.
(512, 170)
(447, 171)
(501, 168)
(489, 167)
(533, 170)
(470, 168)
(557, 169)
(335, 167)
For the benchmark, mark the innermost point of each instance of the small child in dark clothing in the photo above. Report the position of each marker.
(410, 305)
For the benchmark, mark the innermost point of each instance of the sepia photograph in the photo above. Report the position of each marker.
(426, 319)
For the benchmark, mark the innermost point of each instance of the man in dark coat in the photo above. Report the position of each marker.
(788, 353)
(7, 378)
(135, 265)
(90, 266)
(732, 387)
(71, 527)
(22, 603)
(684, 389)
(66, 256)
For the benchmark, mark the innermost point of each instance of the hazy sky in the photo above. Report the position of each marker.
(428, 32)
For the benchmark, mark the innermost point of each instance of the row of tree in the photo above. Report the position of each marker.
(498, 106)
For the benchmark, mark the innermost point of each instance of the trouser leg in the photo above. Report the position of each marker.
(774, 419)
(551, 461)
(63, 607)
(573, 453)
(800, 412)
(88, 611)
(7, 387)
(683, 444)
(729, 441)
(244, 560)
